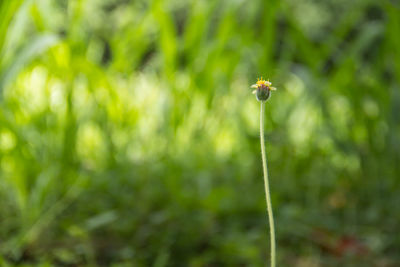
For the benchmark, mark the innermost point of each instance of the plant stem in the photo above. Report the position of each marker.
(266, 185)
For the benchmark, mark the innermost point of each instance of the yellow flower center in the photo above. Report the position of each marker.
(260, 81)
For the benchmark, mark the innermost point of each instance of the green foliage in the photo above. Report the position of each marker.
(129, 134)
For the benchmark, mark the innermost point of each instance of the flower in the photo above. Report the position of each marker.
(263, 89)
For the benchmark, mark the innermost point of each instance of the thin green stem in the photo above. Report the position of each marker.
(266, 185)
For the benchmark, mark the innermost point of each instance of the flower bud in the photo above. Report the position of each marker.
(263, 93)
(263, 89)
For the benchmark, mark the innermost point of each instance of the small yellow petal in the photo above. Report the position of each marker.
(254, 86)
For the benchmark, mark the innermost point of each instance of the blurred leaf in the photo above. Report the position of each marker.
(28, 52)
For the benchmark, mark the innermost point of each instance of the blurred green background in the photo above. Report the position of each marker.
(129, 134)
